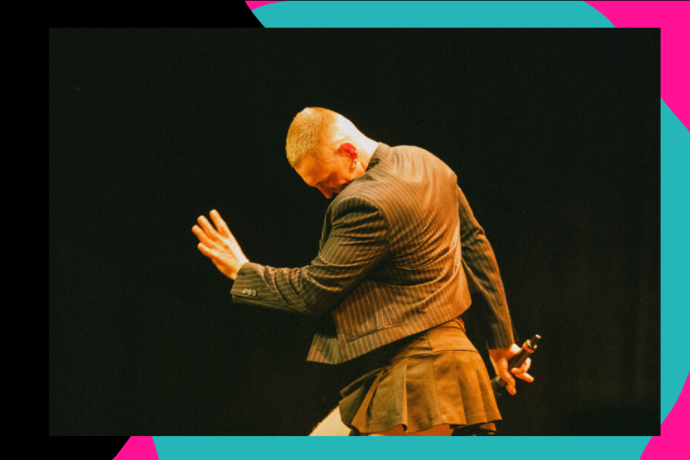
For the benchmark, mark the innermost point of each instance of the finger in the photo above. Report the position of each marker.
(220, 223)
(525, 377)
(510, 383)
(522, 369)
(205, 250)
(528, 363)
(202, 236)
(513, 350)
(208, 228)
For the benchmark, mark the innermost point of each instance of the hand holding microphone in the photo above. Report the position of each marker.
(512, 359)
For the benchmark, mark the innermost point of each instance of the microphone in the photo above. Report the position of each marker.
(528, 348)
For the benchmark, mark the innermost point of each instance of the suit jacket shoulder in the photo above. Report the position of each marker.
(390, 261)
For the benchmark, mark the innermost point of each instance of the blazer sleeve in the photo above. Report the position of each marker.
(357, 242)
(483, 278)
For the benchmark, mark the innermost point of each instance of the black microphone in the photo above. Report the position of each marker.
(528, 348)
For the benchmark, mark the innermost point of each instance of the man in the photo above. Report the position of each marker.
(401, 258)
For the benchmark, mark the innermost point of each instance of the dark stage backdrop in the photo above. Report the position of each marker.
(554, 136)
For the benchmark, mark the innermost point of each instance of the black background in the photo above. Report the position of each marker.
(554, 135)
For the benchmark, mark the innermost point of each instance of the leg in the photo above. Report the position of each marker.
(331, 426)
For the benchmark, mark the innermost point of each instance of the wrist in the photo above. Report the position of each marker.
(239, 267)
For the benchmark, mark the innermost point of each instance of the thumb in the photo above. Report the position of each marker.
(510, 382)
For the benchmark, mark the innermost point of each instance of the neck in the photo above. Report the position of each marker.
(366, 151)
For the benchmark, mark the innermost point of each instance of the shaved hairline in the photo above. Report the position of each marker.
(314, 129)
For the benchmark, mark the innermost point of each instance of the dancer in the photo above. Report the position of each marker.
(400, 259)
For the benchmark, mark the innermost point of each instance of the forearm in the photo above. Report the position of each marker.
(483, 278)
(487, 292)
(358, 241)
(268, 287)
(310, 290)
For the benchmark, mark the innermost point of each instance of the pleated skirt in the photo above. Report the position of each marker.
(436, 378)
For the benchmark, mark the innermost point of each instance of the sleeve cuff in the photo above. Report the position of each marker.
(241, 287)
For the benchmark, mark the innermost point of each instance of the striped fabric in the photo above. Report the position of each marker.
(400, 253)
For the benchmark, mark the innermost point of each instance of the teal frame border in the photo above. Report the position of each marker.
(675, 160)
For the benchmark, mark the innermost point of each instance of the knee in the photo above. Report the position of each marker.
(332, 425)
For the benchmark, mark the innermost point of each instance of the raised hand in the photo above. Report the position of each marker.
(219, 245)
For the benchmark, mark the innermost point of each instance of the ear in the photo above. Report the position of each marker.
(349, 148)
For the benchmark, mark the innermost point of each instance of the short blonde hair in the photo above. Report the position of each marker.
(309, 132)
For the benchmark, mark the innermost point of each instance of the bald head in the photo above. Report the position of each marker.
(327, 150)
(316, 130)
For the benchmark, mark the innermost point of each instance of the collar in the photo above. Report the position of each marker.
(381, 153)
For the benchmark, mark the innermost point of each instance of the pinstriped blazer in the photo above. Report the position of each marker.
(400, 253)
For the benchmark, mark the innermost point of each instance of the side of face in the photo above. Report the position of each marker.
(328, 171)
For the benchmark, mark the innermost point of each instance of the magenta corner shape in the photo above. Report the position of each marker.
(138, 448)
(673, 440)
(253, 5)
(673, 19)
